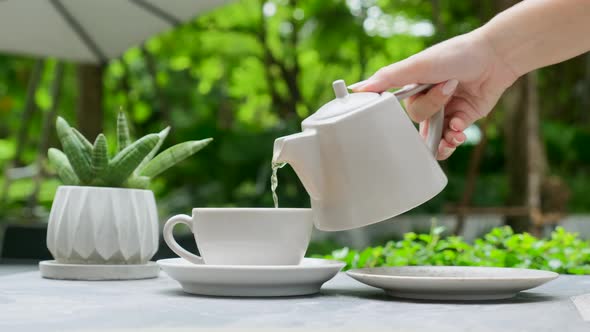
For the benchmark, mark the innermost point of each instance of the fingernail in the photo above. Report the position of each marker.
(449, 87)
(357, 85)
(457, 141)
(447, 152)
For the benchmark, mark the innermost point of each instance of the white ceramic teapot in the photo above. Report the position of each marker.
(361, 159)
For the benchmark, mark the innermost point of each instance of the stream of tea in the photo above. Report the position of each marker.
(274, 182)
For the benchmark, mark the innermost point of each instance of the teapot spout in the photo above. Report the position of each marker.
(301, 151)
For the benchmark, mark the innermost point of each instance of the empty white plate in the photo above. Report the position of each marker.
(247, 280)
(452, 282)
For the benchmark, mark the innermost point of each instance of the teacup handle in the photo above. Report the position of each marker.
(171, 242)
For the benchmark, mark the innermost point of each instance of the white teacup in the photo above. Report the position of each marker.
(245, 236)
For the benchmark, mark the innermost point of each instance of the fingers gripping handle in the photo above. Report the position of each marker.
(171, 242)
(435, 127)
(434, 124)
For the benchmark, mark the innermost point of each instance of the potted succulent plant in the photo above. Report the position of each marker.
(104, 213)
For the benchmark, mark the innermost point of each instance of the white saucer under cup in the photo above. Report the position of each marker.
(251, 281)
(452, 283)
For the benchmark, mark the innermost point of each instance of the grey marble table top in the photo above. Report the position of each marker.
(16, 268)
(31, 303)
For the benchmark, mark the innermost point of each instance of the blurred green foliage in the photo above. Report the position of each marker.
(563, 252)
(250, 71)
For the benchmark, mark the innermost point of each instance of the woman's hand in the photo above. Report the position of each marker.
(470, 78)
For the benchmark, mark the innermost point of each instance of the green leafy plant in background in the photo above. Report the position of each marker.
(133, 166)
(563, 252)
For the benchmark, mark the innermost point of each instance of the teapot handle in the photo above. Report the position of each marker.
(435, 127)
(434, 124)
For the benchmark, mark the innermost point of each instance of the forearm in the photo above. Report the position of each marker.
(538, 33)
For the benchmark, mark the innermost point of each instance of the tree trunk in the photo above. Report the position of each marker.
(472, 175)
(29, 111)
(536, 157)
(525, 157)
(23, 132)
(90, 91)
(163, 104)
(48, 126)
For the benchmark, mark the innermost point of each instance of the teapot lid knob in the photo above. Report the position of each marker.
(340, 89)
(343, 103)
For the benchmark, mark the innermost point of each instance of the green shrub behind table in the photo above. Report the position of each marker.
(563, 252)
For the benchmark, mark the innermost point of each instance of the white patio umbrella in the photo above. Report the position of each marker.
(89, 31)
(83, 31)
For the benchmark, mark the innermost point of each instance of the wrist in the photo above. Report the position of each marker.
(494, 46)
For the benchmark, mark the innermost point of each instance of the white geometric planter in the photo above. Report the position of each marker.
(95, 225)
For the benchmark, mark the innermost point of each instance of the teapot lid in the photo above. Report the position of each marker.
(343, 103)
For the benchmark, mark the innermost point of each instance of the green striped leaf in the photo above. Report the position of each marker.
(62, 165)
(123, 137)
(163, 134)
(172, 156)
(139, 182)
(100, 155)
(126, 161)
(86, 145)
(79, 160)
